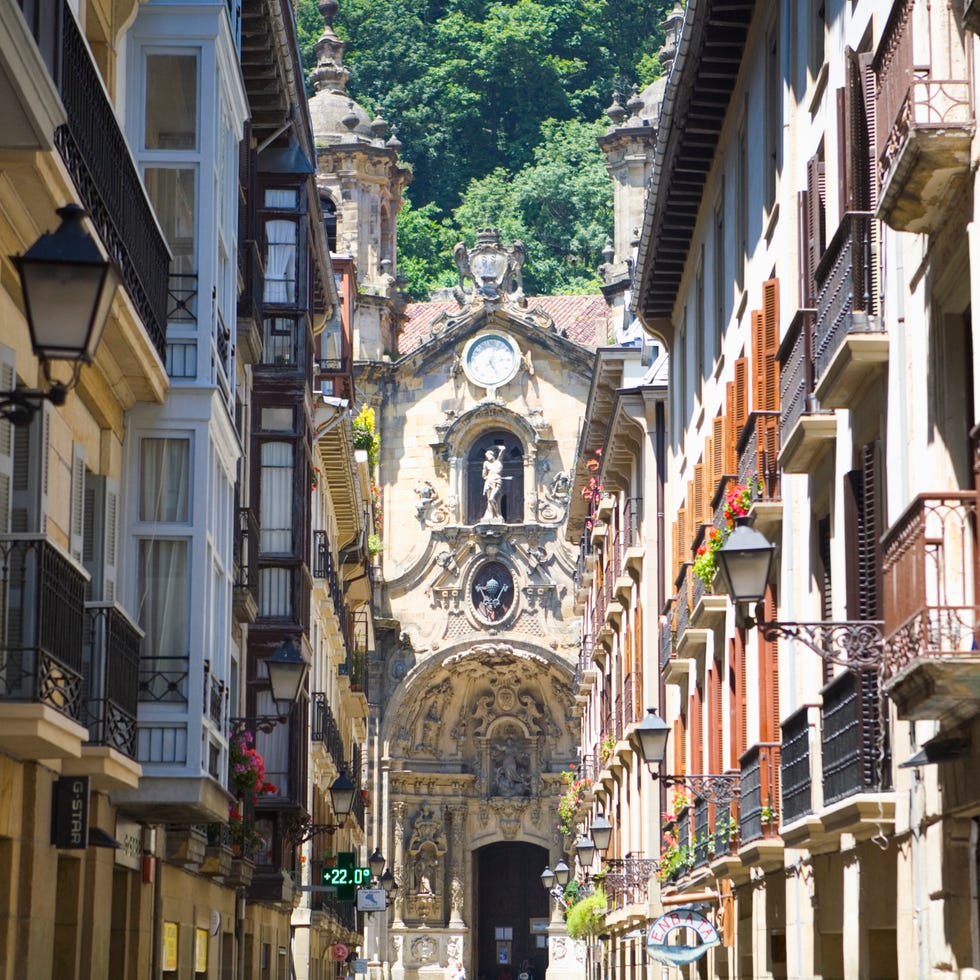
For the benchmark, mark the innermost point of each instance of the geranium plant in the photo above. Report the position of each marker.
(246, 841)
(738, 500)
(705, 562)
(247, 768)
(570, 800)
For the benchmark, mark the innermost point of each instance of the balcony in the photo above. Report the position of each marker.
(850, 346)
(932, 664)
(924, 112)
(805, 432)
(797, 756)
(856, 759)
(110, 692)
(246, 554)
(327, 754)
(758, 456)
(42, 609)
(758, 806)
(627, 880)
(110, 188)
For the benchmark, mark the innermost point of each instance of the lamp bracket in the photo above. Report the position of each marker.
(721, 788)
(20, 405)
(857, 645)
(303, 829)
(257, 723)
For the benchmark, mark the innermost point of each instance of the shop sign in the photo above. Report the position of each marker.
(200, 950)
(69, 812)
(676, 954)
(169, 946)
(130, 837)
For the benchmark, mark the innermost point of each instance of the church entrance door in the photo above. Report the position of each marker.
(512, 911)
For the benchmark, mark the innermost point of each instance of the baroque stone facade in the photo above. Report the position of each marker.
(479, 419)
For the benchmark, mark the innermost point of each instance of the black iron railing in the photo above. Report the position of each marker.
(796, 396)
(855, 751)
(667, 637)
(627, 880)
(97, 157)
(111, 656)
(182, 297)
(759, 802)
(703, 838)
(324, 728)
(247, 552)
(215, 696)
(758, 451)
(42, 604)
(845, 303)
(253, 276)
(795, 767)
(164, 679)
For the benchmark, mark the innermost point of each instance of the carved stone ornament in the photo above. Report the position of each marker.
(494, 271)
(424, 949)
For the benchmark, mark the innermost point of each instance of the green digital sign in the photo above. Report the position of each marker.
(346, 876)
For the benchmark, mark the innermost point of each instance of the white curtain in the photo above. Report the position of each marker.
(274, 746)
(165, 480)
(280, 262)
(276, 499)
(282, 199)
(164, 603)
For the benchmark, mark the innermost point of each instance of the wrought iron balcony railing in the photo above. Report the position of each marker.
(758, 452)
(246, 548)
(845, 298)
(97, 156)
(42, 611)
(324, 729)
(930, 575)
(668, 644)
(759, 804)
(110, 676)
(854, 737)
(627, 880)
(795, 766)
(796, 381)
(253, 277)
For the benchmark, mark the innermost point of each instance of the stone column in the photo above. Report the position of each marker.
(457, 872)
(400, 872)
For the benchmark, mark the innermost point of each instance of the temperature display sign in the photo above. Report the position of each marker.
(347, 876)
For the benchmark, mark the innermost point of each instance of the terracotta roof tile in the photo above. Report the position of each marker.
(583, 319)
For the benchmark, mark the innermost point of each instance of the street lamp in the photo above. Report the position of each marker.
(745, 562)
(376, 862)
(601, 831)
(342, 792)
(562, 872)
(286, 670)
(68, 287)
(387, 881)
(585, 850)
(652, 734)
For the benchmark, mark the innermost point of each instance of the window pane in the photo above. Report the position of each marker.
(163, 588)
(276, 495)
(165, 480)
(279, 342)
(280, 199)
(171, 102)
(274, 596)
(172, 192)
(280, 262)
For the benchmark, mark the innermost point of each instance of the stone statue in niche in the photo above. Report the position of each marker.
(511, 773)
(426, 865)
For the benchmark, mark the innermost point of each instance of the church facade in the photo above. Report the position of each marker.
(477, 640)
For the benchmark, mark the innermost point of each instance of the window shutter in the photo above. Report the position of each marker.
(769, 678)
(110, 568)
(816, 193)
(825, 582)
(718, 448)
(803, 245)
(736, 703)
(853, 505)
(741, 399)
(758, 363)
(731, 436)
(76, 519)
(770, 346)
(696, 725)
(715, 721)
(700, 508)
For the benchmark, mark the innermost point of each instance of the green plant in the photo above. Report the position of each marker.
(607, 747)
(246, 841)
(374, 545)
(705, 563)
(365, 435)
(570, 800)
(770, 814)
(586, 917)
(738, 501)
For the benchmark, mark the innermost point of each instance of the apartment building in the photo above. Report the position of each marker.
(805, 260)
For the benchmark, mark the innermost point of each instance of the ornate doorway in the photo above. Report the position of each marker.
(512, 911)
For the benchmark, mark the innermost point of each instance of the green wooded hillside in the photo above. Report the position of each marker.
(497, 107)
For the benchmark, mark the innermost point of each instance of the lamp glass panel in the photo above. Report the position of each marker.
(62, 301)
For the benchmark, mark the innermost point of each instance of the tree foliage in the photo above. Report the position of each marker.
(483, 92)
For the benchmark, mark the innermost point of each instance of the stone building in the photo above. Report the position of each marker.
(480, 414)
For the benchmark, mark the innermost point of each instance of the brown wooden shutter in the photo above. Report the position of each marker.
(769, 677)
(741, 397)
(710, 478)
(816, 196)
(803, 248)
(825, 582)
(739, 719)
(718, 448)
(758, 366)
(716, 724)
(862, 530)
(770, 345)
(731, 438)
(700, 509)
(696, 724)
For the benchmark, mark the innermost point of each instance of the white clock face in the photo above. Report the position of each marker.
(491, 360)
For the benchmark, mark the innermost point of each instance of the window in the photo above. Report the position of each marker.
(276, 498)
(507, 448)
(170, 107)
(165, 480)
(741, 211)
(280, 262)
(720, 280)
(172, 190)
(279, 342)
(329, 211)
(774, 118)
(164, 588)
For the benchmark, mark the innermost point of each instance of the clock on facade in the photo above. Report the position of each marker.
(491, 360)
